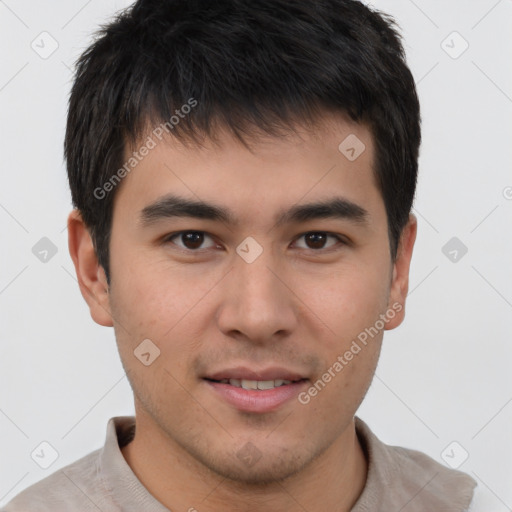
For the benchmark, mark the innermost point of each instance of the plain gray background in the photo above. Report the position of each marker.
(443, 384)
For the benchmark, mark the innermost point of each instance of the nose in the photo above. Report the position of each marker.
(258, 303)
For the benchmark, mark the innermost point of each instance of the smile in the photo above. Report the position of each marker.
(256, 396)
(256, 384)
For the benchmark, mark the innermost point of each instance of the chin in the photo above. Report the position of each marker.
(258, 466)
(262, 474)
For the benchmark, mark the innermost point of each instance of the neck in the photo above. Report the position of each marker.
(333, 481)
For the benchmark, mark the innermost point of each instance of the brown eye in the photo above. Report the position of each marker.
(191, 240)
(317, 239)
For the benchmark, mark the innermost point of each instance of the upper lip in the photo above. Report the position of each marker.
(244, 373)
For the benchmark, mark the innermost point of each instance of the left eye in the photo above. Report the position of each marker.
(193, 240)
(317, 239)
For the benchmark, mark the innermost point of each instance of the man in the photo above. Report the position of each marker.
(243, 174)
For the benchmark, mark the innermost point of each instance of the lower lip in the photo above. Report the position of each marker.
(251, 400)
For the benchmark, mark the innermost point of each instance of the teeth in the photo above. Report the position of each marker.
(266, 384)
(257, 384)
(249, 384)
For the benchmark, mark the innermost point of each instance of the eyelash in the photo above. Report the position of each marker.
(342, 241)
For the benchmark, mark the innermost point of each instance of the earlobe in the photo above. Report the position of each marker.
(400, 280)
(90, 274)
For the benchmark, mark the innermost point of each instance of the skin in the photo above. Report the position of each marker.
(295, 306)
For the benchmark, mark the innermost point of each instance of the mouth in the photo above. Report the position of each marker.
(257, 392)
(260, 385)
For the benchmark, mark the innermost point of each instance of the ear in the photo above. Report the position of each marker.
(400, 280)
(90, 274)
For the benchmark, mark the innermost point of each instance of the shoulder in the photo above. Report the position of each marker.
(75, 487)
(403, 478)
(86, 484)
(436, 484)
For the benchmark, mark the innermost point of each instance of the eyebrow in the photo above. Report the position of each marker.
(171, 205)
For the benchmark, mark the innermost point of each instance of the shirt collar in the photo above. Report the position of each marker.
(397, 479)
(119, 480)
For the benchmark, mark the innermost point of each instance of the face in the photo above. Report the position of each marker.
(266, 293)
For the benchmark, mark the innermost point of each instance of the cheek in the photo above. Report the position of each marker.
(144, 303)
(151, 294)
(346, 301)
(349, 303)
(167, 307)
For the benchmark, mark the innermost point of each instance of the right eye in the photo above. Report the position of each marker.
(190, 240)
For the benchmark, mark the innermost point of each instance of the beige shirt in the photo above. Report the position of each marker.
(399, 479)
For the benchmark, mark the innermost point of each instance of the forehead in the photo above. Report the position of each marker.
(336, 156)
